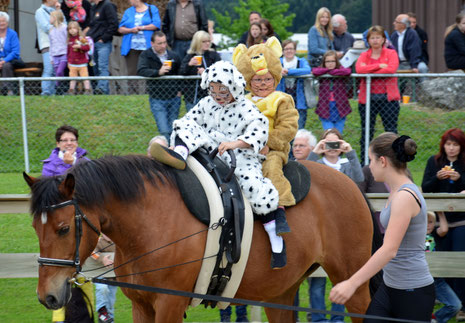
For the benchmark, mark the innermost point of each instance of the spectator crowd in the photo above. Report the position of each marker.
(75, 38)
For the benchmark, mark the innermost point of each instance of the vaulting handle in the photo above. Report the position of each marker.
(228, 177)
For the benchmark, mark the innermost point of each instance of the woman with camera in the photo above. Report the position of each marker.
(331, 147)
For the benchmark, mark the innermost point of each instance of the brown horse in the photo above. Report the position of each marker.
(135, 201)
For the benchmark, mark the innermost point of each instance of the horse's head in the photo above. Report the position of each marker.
(65, 240)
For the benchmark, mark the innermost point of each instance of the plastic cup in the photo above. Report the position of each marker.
(168, 63)
(406, 99)
(199, 60)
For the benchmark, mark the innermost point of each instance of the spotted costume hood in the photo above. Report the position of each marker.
(227, 74)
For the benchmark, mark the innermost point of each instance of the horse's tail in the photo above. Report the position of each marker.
(376, 243)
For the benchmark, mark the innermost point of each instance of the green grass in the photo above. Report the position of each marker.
(124, 124)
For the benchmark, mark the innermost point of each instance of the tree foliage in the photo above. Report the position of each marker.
(234, 25)
(357, 12)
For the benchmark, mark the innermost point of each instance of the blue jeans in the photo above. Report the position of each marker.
(165, 112)
(339, 124)
(241, 313)
(446, 295)
(455, 241)
(48, 87)
(101, 58)
(316, 293)
(105, 295)
(302, 118)
(181, 47)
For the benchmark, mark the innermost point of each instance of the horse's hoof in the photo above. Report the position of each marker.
(279, 260)
(167, 156)
(281, 223)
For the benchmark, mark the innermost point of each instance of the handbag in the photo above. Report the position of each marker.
(311, 92)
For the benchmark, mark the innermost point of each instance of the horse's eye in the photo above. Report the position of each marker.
(63, 231)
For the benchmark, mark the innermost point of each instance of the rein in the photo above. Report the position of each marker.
(78, 217)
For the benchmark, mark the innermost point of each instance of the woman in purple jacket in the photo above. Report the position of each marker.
(66, 154)
(333, 104)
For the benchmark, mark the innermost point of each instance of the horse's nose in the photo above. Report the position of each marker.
(51, 302)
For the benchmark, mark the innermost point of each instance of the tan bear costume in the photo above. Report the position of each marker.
(278, 107)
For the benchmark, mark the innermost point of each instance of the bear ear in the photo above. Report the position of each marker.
(237, 53)
(275, 46)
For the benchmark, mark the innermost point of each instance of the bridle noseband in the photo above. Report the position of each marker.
(78, 216)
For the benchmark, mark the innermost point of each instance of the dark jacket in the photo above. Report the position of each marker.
(424, 44)
(339, 88)
(411, 46)
(209, 57)
(454, 50)
(167, 25)
(431, 184)
(149, 64)
(103, 22)
(86, 5)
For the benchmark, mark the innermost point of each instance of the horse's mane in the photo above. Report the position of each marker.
(119, 176)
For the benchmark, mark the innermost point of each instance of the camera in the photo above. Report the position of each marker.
(333, 145)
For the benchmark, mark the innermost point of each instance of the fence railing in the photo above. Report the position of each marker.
(122, 122)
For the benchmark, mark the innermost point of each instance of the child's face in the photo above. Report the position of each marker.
(52, 19)
(430, 225)
(73, 31)
(330, 62)
(220, 93)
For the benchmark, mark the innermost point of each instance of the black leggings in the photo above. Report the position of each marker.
(410, 304)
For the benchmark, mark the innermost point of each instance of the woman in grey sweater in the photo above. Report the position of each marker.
(330, 148)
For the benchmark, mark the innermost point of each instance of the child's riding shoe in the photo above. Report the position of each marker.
(167, 156)
(281, 222)
(279, 260)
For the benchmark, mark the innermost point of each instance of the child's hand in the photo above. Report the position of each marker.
(224, 146)
(383, 65)
(284, 71)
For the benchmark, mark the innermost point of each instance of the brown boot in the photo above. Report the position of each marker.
(71, 92)
(167, 156)
(88, 92)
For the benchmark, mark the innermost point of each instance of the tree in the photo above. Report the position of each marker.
(273, 10)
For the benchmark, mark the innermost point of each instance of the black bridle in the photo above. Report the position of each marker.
(78, 217)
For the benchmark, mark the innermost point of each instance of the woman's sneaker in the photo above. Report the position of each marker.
(103, 316)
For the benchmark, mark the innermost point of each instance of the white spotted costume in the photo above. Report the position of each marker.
(208, 124)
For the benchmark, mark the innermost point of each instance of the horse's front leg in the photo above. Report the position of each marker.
(142, 313)
(170, 308)
(277, 315)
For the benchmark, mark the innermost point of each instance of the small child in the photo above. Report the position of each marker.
(58, 43)
(444, 293)
(78, 46)
(227, 120)
(333, 104)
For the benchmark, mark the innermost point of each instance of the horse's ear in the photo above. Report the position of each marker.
(67, 186)
(29, 179)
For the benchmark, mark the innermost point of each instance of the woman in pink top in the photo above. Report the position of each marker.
(384, 92)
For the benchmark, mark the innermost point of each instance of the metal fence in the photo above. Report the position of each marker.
(122, 122)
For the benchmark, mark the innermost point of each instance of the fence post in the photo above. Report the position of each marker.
(23, 123)
(367, 120)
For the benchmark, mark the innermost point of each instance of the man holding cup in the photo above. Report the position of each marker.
(164, 96)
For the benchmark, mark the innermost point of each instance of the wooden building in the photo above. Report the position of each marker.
(433, 16)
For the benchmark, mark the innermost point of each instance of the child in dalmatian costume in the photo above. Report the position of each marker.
(227, 120)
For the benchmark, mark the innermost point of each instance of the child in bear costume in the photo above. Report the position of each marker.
(227, 120)
(261, 68)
